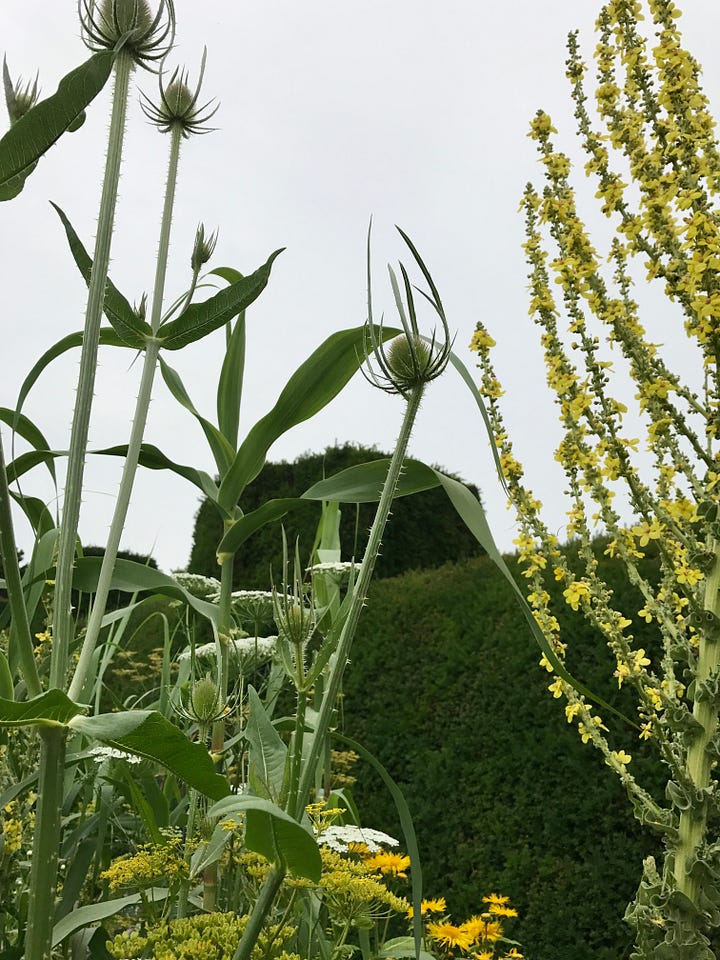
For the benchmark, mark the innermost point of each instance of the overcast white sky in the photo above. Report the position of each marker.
(414, 112)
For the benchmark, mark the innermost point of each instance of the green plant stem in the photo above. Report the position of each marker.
(62, 619)
(43, 874)
(142, 406)
(297, 746)
(262, 907)
(360, 592)
(16, 598)
(693, 822)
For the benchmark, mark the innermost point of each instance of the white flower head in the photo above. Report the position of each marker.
(100, 754)
(341, 568)
(205, 588)
(339, 838)
(245, 649)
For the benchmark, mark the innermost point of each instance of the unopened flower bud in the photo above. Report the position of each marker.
(202, 249)
(18, 99)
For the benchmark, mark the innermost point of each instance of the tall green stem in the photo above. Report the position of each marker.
(360, 592)
(693, 822)
(63, 622)
(142, 406)
(43, 873)
(16, 599)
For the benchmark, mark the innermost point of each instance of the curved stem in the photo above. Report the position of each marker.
(62, 618)
(142, 406)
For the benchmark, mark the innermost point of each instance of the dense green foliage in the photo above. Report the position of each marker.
(425, 530)
(445, 689)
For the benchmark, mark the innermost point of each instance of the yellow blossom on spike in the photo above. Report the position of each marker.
(621, 757)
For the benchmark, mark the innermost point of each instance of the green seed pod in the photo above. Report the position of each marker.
(125, 16)
(408, 358)
(7, 688)
(146, 37)
(205, 700)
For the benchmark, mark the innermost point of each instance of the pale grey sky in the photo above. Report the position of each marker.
(411, 111)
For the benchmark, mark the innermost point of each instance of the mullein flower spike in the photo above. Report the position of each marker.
(178, 105)
(128, 25)
(18, 99)
(411, 360)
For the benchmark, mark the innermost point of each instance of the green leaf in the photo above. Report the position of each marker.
(363, 483)
(154, 459)
(267, 751)
(23, 426)
(129, 577)
(313, 385)
(51, 709)
(200, 319)
(127, 325)
(108, 337)
(210, 853)
(274, 834)
(149, 734)
(37, 513)
(403, 947)
(246, 526)
(230, 384)
(32, 135)
(84, 916)
(221, 449)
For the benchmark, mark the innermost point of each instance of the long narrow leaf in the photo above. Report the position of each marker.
(222, 451)
(94, 912)
(200, 319)
(33, 135)
(25, 428)
(154, 459)
(230, 384)
(246, 526)
(313, 385)
(129, 327)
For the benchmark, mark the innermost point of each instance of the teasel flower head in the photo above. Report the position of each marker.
(203, 248)
(410, 361)
(178, 104)
(18, 98)
(294, 611)
(129, 25)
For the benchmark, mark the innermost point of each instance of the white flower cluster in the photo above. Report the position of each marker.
(340, 569)
(205, 588)
(100, 754)
(340, 837)
(244, 648)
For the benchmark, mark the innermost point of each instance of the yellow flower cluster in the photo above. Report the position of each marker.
(152, 864)
(481, 935)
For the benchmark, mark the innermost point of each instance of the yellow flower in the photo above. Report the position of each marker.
(451, 935)
(621, 757)
(430, 906)
(388, 862)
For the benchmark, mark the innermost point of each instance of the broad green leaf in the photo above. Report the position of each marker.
(230, 384)
(400, 947)
(200, 319)
(313, 385)
(51, 709)
(127, 325)
(108, 337)
(149, 734)
(221, 449)
(274, 834)
(154, 459)
(23, 426)
(26, 461)
(267, 754)
(94, 912)
(363, 483)
(246, 526)
(129, 576)
(32, 135)
(41, 520)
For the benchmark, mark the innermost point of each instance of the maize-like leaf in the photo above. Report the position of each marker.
(125, 322)
(33, 135)
(246, 526)
(94, 912)
(154, 459)
(200, 319)
(313, 385)
(221, 449)
(51, 709)
(274, 834)
(230, 384)
(148, 734)
(363, 483)
(131, 577)
(108, 337)
(25, 428)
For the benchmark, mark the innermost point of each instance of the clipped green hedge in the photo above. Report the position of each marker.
(425, 531)
(445, 689)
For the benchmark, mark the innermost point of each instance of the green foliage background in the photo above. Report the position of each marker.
(424, 531)
(445, 689)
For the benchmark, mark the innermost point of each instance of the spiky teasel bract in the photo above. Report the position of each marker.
(411, 360)
(129, 25)
(19, 98)
(178, 105)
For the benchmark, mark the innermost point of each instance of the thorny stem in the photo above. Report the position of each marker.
(142, 406)
(62, 616)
